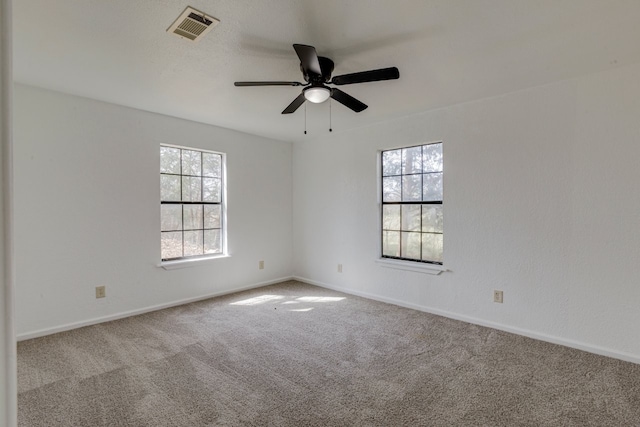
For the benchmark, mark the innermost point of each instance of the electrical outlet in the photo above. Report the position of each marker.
(497, 297)
(101, 291)
(261, 265)
(339, 268)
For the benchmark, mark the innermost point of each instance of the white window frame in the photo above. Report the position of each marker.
(422, 266)
(190, 260)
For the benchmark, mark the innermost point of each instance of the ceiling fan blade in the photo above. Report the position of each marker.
(308, 58)
(268, 84)
(347, 100)
(367, 76)
(295, 104)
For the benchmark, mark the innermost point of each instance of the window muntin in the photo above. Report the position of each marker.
(412, 203)
(191, 202)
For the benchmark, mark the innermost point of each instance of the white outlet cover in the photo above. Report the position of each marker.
(498, 296)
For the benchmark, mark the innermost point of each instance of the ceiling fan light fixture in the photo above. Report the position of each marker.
(317, 94)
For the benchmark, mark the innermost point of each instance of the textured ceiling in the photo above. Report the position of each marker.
(448, 51)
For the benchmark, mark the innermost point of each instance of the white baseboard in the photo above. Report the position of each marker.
(627, 357)
(121, 315)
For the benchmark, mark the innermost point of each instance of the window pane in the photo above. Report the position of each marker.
(391, 217)
(212, 242)
(191, 189)
(192, 217)
(412, 160)
(432, 247)
(212, 165)
(411, 217)
(433, 158)
(169, 188)
(170, 217)
(391, 189)
(410, 245)
(411, 188)
(411, 230)
(191, 177)
(391, 162)
(432, 190)
(171, 245)
(169, 160)
(391, 243)
(212, 216)
(211, 188)
(193, 243)
(432, 218)
(191, 162)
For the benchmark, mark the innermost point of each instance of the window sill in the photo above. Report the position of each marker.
(193, 262)
(418, 267)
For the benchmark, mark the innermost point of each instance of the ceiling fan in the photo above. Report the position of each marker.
(316, 71)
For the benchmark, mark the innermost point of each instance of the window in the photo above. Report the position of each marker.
(412, 203)
(191, 202)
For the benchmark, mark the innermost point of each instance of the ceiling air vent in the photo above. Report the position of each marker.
(192, 24)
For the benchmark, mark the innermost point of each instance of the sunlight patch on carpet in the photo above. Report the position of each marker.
(258, 300)
(320, 299)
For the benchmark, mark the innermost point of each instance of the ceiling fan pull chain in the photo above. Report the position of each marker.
(330, 126)
(305, 118)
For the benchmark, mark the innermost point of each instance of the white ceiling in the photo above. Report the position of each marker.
(447, 51)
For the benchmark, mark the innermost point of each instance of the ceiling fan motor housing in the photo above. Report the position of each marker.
(326, 66)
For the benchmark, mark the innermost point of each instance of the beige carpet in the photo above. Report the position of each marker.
(298, 355)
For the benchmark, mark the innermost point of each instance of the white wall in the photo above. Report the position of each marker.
(88, 213)
(8, 357)
(541, 200)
